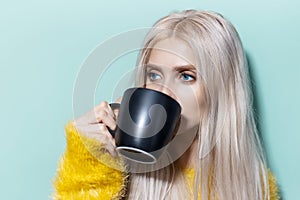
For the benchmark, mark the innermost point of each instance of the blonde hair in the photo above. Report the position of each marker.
(231, 162)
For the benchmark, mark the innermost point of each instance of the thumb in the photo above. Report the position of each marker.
(119, 99)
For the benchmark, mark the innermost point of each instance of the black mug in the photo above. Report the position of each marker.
(146, 123)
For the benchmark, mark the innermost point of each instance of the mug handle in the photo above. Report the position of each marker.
(113, 107)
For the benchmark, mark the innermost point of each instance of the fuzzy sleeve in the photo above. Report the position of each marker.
(82, 175)
(274, 193)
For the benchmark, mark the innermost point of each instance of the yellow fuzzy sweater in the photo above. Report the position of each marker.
(81, 176)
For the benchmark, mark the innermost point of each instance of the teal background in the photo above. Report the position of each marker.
(44, 43)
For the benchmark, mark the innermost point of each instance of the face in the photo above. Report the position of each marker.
(171, 70)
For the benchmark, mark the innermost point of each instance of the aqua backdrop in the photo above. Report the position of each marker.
(44, 43)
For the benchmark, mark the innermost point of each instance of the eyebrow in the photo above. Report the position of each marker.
(176, 68)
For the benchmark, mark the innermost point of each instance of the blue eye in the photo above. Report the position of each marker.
(187, 77)
(153, 76)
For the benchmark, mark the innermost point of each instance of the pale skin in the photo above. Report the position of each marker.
(171, 70)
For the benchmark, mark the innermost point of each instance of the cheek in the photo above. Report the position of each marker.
(192, 102)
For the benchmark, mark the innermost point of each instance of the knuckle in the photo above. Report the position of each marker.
(103, 104)
(102, 113)
(102, 128)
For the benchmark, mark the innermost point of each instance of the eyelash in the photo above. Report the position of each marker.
(186, 74)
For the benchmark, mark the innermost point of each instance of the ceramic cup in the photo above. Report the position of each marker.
(146, 123)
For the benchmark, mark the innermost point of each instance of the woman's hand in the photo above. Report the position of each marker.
(94, 125)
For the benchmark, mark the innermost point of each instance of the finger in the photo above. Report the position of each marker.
(107, 140)
(100, 133)
(104, 106)
(116, 113)
(91, 117)
(111, 148)
(104, 117)
(90, 129)
(119, 99)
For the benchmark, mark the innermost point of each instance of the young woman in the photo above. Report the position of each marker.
(197, 58)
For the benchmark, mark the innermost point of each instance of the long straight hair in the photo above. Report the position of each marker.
(230, 158)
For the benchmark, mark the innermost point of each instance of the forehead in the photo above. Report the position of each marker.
(171, 52)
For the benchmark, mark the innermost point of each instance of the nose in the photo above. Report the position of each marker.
(163, 89)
